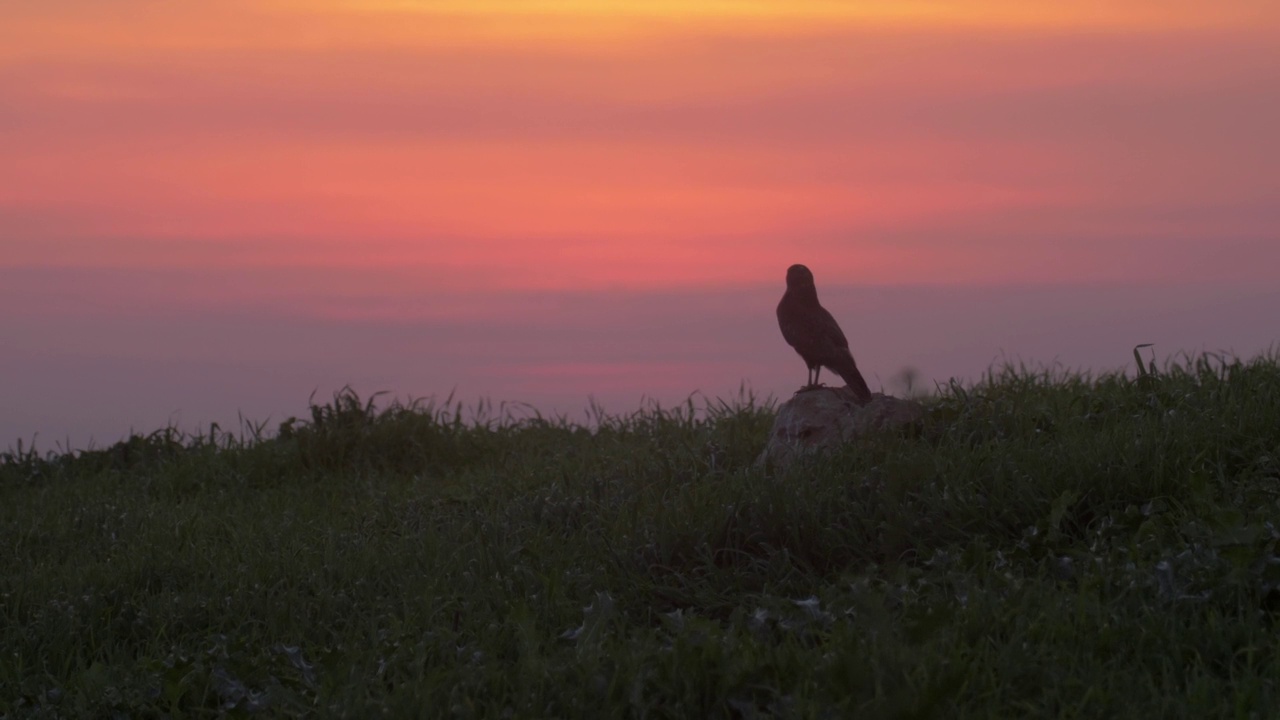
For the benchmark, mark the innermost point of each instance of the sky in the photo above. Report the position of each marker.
(214, 210)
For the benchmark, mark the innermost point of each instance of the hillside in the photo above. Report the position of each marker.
(1044, 544)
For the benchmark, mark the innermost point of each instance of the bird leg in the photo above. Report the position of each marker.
(811, 379)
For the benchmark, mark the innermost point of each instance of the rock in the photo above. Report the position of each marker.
(824, 418)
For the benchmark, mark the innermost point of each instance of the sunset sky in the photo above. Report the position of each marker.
(212, 208)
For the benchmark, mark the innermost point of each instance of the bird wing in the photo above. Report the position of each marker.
(833, 332)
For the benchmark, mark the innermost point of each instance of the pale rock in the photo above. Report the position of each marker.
(824, 418)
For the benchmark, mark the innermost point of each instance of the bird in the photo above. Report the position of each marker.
(815, 334)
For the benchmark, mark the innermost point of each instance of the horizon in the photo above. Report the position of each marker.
(1090, 329)
(209, 210)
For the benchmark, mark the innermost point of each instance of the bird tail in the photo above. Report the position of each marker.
(848, 370)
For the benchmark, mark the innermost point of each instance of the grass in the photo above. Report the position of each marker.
(1046, 544)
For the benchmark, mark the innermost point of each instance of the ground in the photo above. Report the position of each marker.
(1044, 544)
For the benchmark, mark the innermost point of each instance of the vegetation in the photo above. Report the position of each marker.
(1044, 544)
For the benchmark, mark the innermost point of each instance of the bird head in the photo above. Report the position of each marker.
(799, 277)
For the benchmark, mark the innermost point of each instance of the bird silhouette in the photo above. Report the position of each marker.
(814, 333)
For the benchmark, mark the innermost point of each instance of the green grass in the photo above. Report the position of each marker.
(1045, 544)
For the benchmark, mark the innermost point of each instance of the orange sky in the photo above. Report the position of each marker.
(634, 143)
(448, 160)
